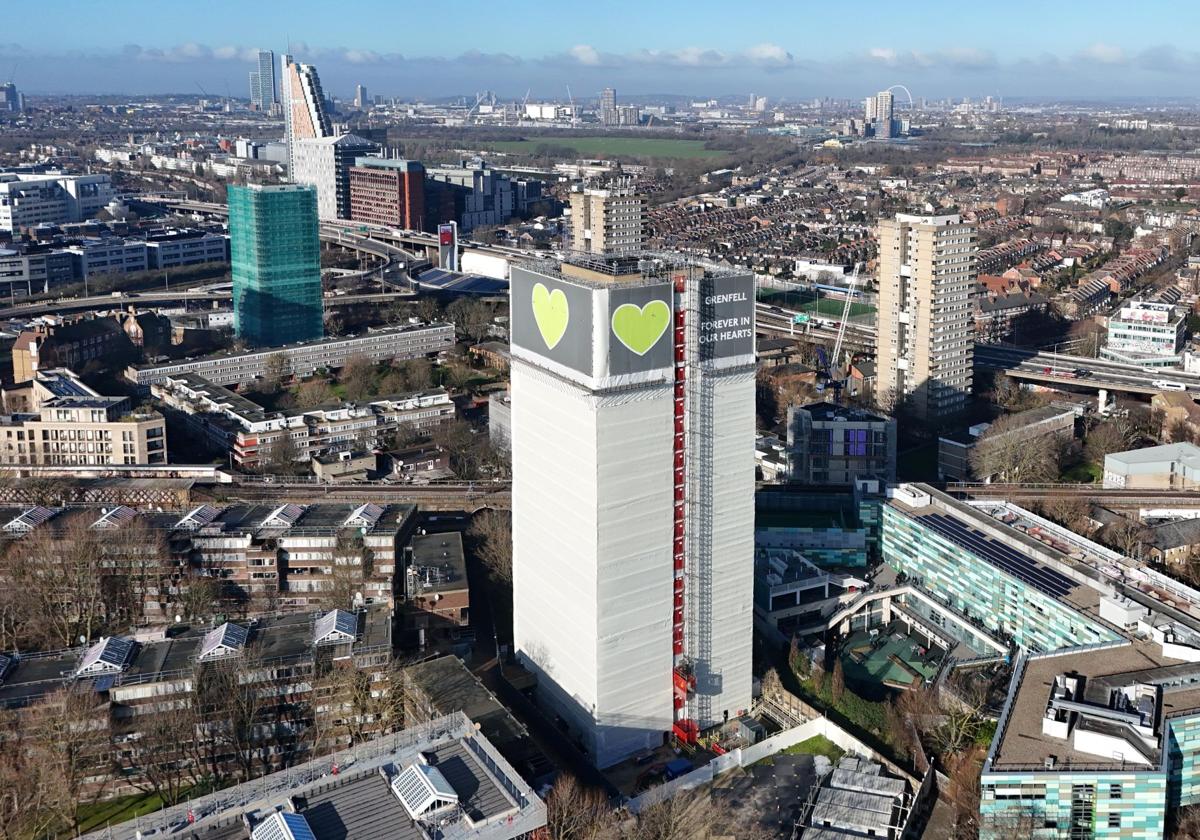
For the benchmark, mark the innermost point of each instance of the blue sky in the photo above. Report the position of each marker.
(792, 49)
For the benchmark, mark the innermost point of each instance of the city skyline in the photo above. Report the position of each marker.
(1050, 53)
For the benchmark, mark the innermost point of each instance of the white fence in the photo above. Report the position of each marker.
(744, 757)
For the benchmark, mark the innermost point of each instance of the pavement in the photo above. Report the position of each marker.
(772, 794)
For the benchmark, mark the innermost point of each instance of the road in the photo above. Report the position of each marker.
(470, 496)
(178, 296)
(1031, 366)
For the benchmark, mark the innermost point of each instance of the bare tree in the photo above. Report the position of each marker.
(1104, 439)
(1126, 536)
(358, 377)
(491, 532)
(685, 816)
(71, 739)
(1006, 451)
(574, 812)
(314, 392)
(63, 596)
(27, 787)
(1069, 511)
(837, 684)
(155, 756)
(428, 309)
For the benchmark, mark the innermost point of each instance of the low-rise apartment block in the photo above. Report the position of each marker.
(66, 423)
(132, 680)
(231, 423)
(832, 444)
(303, 359)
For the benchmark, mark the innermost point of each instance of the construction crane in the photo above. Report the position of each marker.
(571, 99)
(828, 367)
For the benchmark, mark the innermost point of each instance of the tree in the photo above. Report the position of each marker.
(314, 392)
(281, 455)
(688, 815)
(1010, 453)
(1072, 512)
(1103, 439)
(155, 756)
(418, 374)
(574, 812)
(358, 377)
(27, 805)
(70, 733)
(277, 368)
(428, 309)
(1181, 193)
(63, 596)
(837, 684)
(491, 532)
(1126, 536)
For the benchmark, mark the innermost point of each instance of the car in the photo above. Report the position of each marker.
(1082, 373)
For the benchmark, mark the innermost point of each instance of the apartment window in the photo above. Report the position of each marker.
(1114, 791)
(1114, 819)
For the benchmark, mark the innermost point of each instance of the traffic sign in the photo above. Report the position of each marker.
(800, 319)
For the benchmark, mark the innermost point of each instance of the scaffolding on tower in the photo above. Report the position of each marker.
(692, 599)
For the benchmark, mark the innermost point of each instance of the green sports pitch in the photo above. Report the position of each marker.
(604, 145)
(812, 302)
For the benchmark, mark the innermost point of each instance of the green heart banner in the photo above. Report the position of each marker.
(551, 312)
(640, 328)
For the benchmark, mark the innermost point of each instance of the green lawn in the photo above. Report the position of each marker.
(98, 814)
(817, 745)
(608, 146)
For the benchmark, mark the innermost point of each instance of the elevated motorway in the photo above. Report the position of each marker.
(180, 296)
(1058, 370)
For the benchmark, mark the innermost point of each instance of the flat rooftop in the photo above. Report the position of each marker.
(1022, 742)
(443, 552)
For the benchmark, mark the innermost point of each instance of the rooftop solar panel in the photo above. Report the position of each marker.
(116, 517)
(335, 626)
(198, 517)
(105, 656)
(1003, 557)
(284, 516)
(225, 640)
(29, 519)
(364, 515)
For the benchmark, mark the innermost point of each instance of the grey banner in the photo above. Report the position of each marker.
(551, 318)
(640, 324)
(727, 316)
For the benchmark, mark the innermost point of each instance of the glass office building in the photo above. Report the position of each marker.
(276, 253)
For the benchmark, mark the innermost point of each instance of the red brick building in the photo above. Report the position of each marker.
(388, 192)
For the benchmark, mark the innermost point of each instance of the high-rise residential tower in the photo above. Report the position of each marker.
(924, 328)
(633, 495)
(607, 217)
(276, 254)
(263, 90)
(325, 163)
(11, 99)
(304, 110)
(360, 97)
(608, 107)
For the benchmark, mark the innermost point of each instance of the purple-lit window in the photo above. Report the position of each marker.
(856, 442)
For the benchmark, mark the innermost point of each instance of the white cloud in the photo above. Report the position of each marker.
(585, 55)
(770, 55)
(1104, 54)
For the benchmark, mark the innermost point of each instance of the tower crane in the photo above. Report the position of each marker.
(829, 366)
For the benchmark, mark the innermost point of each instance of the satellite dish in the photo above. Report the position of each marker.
(82, 639)
(178, 618)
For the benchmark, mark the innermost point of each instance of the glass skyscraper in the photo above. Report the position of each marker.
(276, 253)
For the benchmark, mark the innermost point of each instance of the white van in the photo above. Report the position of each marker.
(1167, 385)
